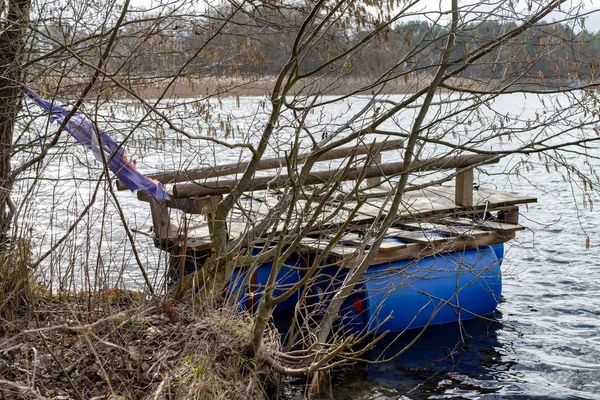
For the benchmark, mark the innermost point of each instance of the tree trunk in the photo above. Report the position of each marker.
(11, 73)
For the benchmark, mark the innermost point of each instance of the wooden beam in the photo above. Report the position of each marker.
(268, 163)
(463, 195)
(193, 189)
(160, 221)
(509, 216)
(190, 205)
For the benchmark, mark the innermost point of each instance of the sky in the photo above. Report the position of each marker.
(592, 10)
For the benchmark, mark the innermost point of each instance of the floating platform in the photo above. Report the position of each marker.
(439, 262)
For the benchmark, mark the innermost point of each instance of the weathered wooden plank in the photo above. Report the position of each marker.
(440, 199)
(163, 229)
(198, 245)
(420, 250)
(510, 216)
(318, 245)
(444, 227)
(481, 196)
(389, 245)
(268, 163)
(418, 237)
(489, 225)
(193, 189)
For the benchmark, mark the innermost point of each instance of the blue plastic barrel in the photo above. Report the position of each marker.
(247, 289)
(247, 283)
(433, 290)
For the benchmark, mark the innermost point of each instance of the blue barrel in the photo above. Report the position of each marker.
(248, 283)
(434, 290)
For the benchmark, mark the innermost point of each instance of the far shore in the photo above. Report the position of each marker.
(262, 86)
(214, 86)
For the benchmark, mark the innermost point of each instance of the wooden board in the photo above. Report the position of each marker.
(489, 225)
(443, 227)
(420, 250)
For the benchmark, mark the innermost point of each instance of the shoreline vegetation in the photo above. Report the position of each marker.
(211, 86)
(261, 86)
(118, 344)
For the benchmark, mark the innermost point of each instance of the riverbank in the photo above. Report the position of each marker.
(119, 345)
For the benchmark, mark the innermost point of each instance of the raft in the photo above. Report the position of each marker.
(440, 261)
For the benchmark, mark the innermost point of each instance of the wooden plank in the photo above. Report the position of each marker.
(418, 237)
(358, 241)
(481, 197)
(497, 198)
(489, 225)
(163, 228)
(195, 205)
(268, 163)
(509, 216)
(420, 250)
(443, 226)
(193, 189)
(319, 245)
(390, 245)
(198, 245)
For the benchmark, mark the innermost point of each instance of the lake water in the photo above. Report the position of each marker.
(544, 340)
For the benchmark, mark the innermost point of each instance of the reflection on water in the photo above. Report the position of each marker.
(469, 361)
(458, 358)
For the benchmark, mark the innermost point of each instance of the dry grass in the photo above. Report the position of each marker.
(248, 86)
(128, 347)
(215, 364)
(15, 273)
(262, 86)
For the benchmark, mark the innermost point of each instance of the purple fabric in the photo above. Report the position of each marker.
(87, 134)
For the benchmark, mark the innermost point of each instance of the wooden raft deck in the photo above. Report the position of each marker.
(440, 218)
(429, 221)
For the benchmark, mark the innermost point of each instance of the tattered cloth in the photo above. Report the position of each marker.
(89, 135)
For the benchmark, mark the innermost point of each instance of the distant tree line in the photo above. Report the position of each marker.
(255, 42)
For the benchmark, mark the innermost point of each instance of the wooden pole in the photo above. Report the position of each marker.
(463, 195)
(161, 221)
(193, 189)
(269, 163)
